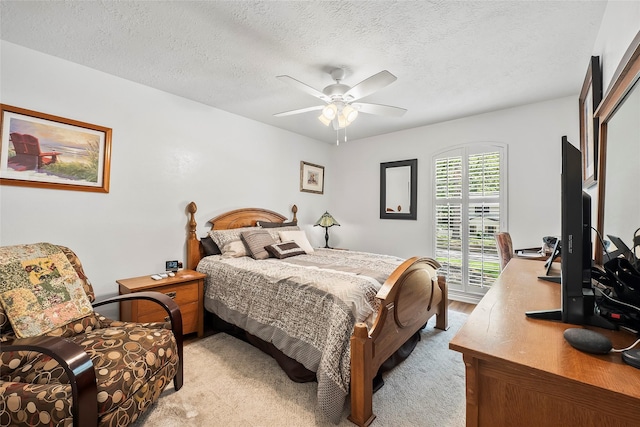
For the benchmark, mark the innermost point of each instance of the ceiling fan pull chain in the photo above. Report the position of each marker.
(337, 135)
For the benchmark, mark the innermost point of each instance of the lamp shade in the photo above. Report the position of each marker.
(324, 120)
(330, 111)
(349, 113)
(326, 220)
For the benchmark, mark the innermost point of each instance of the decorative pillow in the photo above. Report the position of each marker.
(298, 236)
(255, 241)
(275, 232)
(285, 250)
(223, 238)
(265, 224)
(209, 246)
(234, 249)
(39, 289)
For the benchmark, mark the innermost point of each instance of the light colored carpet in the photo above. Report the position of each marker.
(227, 382)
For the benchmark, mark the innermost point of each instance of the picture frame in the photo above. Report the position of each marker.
(46, 151)
(590, 98)
(311, 178)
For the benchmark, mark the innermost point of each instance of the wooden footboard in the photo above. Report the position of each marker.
(409, 297)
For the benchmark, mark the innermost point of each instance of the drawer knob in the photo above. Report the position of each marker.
(171, 294)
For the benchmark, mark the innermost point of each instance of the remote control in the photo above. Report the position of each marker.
(632, 357)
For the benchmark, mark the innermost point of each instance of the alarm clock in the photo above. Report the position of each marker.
(172, 265)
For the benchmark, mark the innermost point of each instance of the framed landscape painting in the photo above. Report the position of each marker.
(311, 178)
(46, 151)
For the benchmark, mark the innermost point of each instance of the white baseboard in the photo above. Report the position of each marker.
(464, 297)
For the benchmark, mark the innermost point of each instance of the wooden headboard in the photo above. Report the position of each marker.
(247, 217)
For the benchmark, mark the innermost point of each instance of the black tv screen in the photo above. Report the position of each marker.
(578, 301)
(574, 205)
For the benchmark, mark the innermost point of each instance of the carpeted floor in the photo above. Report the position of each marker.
(230, 383)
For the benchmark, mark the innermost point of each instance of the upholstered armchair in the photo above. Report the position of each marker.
(62, 363)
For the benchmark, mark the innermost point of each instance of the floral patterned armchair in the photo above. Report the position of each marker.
(63, 364)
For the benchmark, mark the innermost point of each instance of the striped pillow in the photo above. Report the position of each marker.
(285, 250)
(255, 241)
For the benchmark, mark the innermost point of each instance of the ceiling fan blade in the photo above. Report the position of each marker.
(379, 109)
(301, 110)
(304, 87)
(370, 85)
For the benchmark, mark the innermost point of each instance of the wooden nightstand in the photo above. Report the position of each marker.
(185, 288)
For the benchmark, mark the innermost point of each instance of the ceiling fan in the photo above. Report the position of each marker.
(341, 109)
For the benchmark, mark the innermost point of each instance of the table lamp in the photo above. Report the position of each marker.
(326, 221)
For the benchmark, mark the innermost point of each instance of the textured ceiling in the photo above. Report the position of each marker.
(452, 59)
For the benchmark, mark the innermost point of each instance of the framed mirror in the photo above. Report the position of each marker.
(619, 171)
(399, 189)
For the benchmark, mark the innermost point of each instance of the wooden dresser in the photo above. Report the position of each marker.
(521, 372)
(185, 288)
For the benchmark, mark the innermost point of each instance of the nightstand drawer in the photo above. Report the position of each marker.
(189, 317)
(181, 294)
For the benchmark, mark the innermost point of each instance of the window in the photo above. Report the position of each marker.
(470, 207)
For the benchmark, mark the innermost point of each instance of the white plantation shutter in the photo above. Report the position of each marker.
(470, 207)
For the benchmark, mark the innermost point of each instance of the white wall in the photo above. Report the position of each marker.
(166, 152)
(532, 133)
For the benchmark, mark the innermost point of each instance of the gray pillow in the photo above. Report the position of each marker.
(255, 241)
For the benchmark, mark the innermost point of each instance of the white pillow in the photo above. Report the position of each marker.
(298, 236)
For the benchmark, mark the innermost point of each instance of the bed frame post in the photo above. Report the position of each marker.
(193, 244)
(361, 376)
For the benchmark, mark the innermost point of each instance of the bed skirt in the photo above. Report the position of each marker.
(294, 369)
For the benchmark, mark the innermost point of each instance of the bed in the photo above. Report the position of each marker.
(359, 313)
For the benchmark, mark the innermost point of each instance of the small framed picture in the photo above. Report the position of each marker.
(311, 178)
(590, 97)
(46, 151)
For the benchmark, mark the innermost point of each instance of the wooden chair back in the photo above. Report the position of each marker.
(504, 246)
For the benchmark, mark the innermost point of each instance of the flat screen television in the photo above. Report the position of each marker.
(578, 300)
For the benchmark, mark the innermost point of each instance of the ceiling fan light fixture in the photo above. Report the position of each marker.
(324, 120)
(342, 122)
(330, 111)
(349, 113)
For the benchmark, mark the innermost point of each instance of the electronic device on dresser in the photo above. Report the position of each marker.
(577, 295)
(555, 253)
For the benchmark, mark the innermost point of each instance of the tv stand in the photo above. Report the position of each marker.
(554, 279)
(521, 372)
(545, 314)
(556, 315)
(589, 317)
